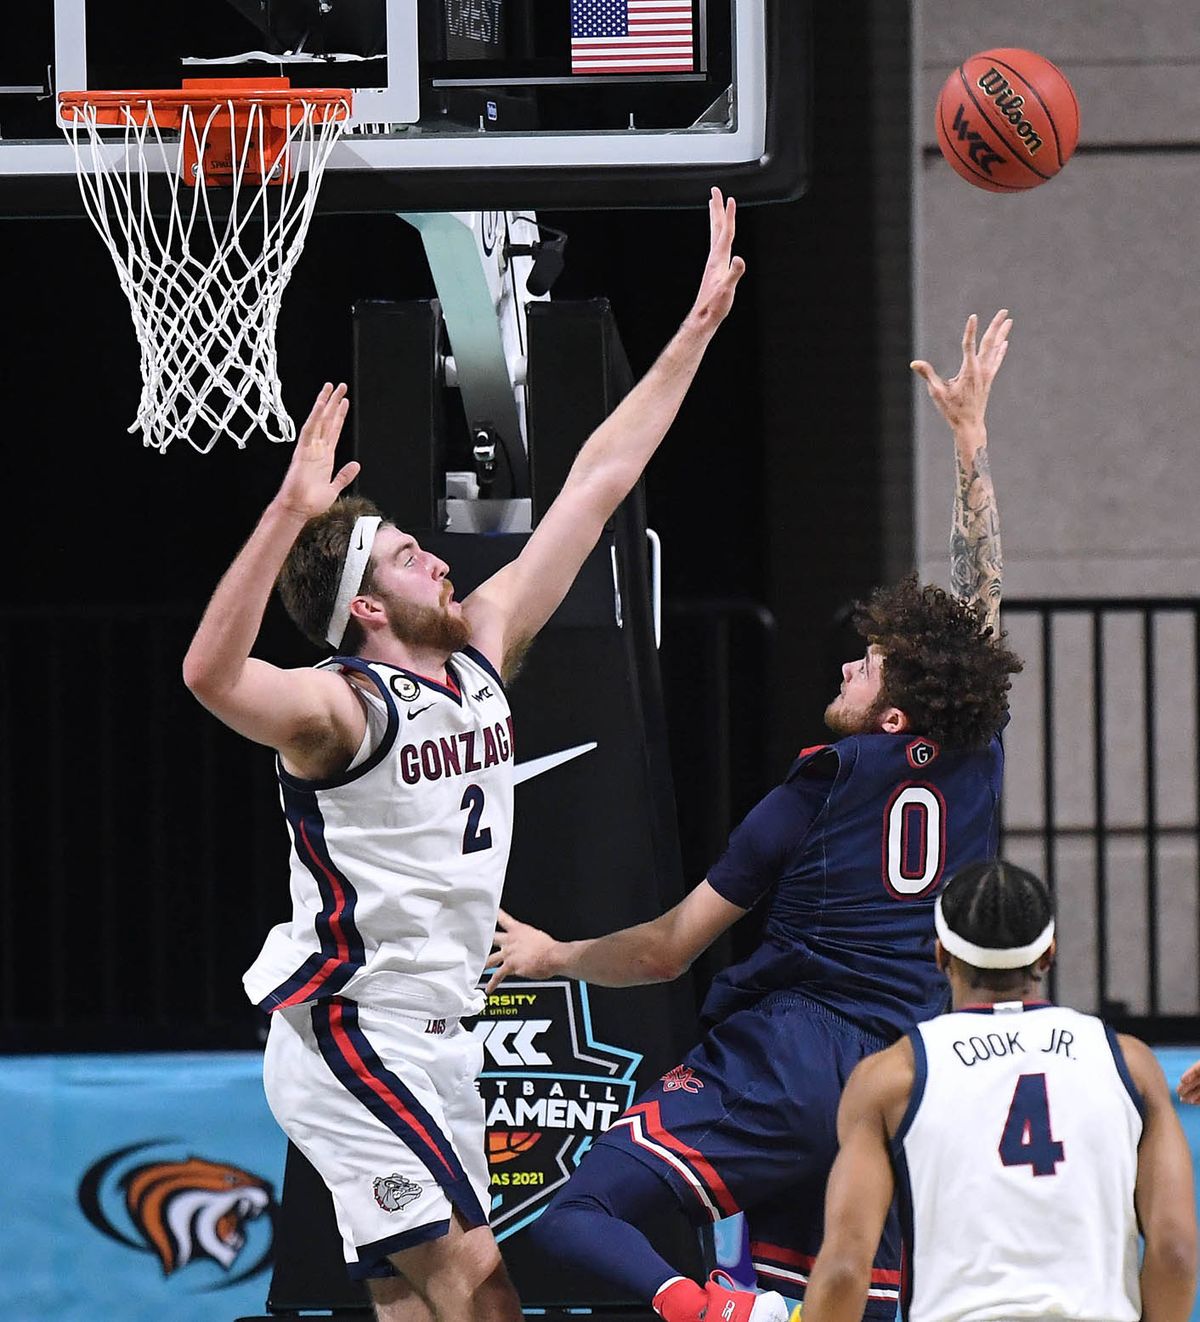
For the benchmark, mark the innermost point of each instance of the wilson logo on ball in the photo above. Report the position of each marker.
(1009, 102)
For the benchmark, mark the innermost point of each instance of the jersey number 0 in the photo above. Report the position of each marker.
(914, 835)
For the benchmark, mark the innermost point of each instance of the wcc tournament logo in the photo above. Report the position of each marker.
(549, 1090)
(182, 1211)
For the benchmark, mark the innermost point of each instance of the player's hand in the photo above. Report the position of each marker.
(519, 949)
(962, 400)
(310, 486)
(722, 270)
(1189, 1085)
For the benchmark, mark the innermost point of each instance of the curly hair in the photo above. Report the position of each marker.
(942, 666)
(997, 905)
(309, 579)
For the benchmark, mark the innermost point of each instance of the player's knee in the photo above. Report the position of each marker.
(451, 1295)
(473, 1285)
(555, 1226)
(565, 1220)
(473, 1262)
(496, 1300)
(395, 1300)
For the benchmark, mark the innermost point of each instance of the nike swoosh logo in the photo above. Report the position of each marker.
(416, 711)
(524, 771)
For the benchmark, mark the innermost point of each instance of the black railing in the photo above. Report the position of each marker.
(1102, 797)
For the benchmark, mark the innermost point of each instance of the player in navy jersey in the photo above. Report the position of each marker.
(848, 855)
(395, 761)
(1032, 1145)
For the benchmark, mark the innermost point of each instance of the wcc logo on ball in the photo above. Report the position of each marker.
(549, 1090)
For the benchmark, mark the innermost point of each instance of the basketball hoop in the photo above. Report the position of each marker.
(205, 279)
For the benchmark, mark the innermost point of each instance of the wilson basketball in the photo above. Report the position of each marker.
(1007, 120)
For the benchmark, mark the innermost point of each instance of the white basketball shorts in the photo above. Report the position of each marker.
(386, 1109)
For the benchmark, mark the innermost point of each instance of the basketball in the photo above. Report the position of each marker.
(1007, 120)
(503, 1145)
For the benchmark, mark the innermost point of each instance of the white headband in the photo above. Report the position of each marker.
(358, 552)
(980, 957)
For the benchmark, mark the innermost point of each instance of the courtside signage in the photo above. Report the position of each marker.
(549, 1090)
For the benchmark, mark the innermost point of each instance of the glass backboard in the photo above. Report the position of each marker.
(459, 104)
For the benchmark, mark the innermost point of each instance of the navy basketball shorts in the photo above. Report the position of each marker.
(748, 1122)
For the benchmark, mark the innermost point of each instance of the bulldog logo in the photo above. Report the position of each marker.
(392, 1192)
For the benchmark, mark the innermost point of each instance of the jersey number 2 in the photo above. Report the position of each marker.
(1027, 1140)
(473, 838)
(914, 831)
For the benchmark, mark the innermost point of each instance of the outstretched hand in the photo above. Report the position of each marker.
(1189, 1085)
(519, 949)
(310, 486)
(962, 400)
(722, 270)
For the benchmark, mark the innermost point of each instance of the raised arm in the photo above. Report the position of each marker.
(976, 560)
(1164, 1195)
(311, 716)
(657, 951)
(511, 607)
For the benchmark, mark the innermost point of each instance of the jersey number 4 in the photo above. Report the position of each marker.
(914, 841)
(475, 837)
(1027, 1140)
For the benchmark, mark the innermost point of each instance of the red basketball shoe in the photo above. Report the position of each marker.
(726, 1303)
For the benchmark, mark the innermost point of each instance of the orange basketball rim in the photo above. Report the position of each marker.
(203, 195)
(221, 122)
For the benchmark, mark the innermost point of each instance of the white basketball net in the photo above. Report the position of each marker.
(204, 285)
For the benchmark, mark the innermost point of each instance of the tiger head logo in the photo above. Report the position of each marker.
(193, 1209)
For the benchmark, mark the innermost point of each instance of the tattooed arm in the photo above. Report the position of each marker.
(976, 561)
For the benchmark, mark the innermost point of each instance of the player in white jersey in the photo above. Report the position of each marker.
(395, 762)
(1029, 1144)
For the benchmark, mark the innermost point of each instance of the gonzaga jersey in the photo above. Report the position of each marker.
(1016, 1162)
(850, 852)
(398, 863)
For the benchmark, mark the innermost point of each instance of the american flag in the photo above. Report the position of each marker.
(631, 36)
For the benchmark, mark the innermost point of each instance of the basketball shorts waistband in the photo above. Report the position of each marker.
(795, 1000)
(437, 1025)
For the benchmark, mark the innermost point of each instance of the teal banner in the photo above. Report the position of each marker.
(144, 1187)
(136, 1187)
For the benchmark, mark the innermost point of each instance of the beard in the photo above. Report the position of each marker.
(427, 626)
(844, 721)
